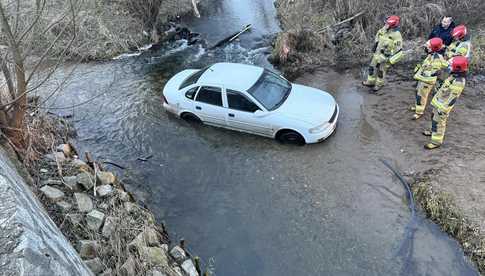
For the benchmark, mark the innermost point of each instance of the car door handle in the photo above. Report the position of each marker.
(198, 108)
(231, 115)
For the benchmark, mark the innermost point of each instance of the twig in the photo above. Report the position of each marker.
(341, 22)
(114, 164)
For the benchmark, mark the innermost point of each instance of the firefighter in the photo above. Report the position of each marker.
(445, 99)
(461, 45)
(387, 51)
(427, 74)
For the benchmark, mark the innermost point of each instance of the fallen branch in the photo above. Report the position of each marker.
(145, 159)
(231, 37)
(196, 10)
(114, 164)
(341, 22)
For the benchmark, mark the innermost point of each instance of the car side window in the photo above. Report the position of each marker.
(238, 101)
(210, 95)
(190, 94)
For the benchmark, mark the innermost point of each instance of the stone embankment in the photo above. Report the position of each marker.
(111, 232)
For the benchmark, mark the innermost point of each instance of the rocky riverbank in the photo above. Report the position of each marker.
(111, 232)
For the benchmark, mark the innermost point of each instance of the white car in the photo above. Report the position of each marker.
(254, 100)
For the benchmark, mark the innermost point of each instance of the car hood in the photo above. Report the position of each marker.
(308, 104)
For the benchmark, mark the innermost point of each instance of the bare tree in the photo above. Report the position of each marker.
(36, 36)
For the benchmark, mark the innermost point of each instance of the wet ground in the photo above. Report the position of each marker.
(248, 205)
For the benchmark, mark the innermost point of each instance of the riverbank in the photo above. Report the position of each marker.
(112, 233)
(448, 182)
(108, 29)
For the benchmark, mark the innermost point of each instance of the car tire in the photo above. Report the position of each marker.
(191, 118)
(290, 137)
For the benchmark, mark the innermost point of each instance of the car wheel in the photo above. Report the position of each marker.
(191, 118)
(291, 137)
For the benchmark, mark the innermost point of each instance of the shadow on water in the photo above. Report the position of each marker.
(248, 205)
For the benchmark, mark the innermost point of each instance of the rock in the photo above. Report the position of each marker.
(189, 268)
(177, 271)
(95, 265)
(81, 165)
(109, 226)
(164, 247)
(52, 182)
(149, 237)
(52, 193)
(94, 220)
(154, 256)
(44, 171)
(87, 249)
(66, 149)
(106, 178)
(178, 254)
(84, 202)
(130, 207)
(104, 190)
(56, 157)
(64, 206)
(75, 219)
(103, 206)
(71, 183)
(107, 272)
(128, 268)
(124, 196)
(155, 273)
(86, 180)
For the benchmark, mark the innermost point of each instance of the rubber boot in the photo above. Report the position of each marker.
(368, 83)
(427, 133)
(431, 146)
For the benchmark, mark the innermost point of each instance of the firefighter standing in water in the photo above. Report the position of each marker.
(427, 74)
(445, 99)
(387, 51)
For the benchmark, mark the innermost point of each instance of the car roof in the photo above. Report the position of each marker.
(234, 76)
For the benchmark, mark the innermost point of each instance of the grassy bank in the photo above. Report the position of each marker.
(440, 207)
(326, 39)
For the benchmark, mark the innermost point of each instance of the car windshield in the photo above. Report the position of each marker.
(270, 90)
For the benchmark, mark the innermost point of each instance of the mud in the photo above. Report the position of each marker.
(449, 180)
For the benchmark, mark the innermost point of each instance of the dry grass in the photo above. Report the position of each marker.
(441, 208)
(418, 18)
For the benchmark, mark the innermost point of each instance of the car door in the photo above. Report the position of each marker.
(241, 114)
(209, 107)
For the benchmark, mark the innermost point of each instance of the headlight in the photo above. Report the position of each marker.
(319, 128)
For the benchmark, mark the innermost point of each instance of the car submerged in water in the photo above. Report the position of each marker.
(254, 100)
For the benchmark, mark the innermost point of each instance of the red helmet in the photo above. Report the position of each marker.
(435, 44)
(459, 64)
(459, 32)
(393, 21)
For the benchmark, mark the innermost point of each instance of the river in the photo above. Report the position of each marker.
(249, 205)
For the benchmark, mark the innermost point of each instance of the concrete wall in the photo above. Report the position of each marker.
(30, 242)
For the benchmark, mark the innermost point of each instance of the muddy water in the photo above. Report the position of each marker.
(248, 205)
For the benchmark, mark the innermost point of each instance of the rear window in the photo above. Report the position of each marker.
(192, 79)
